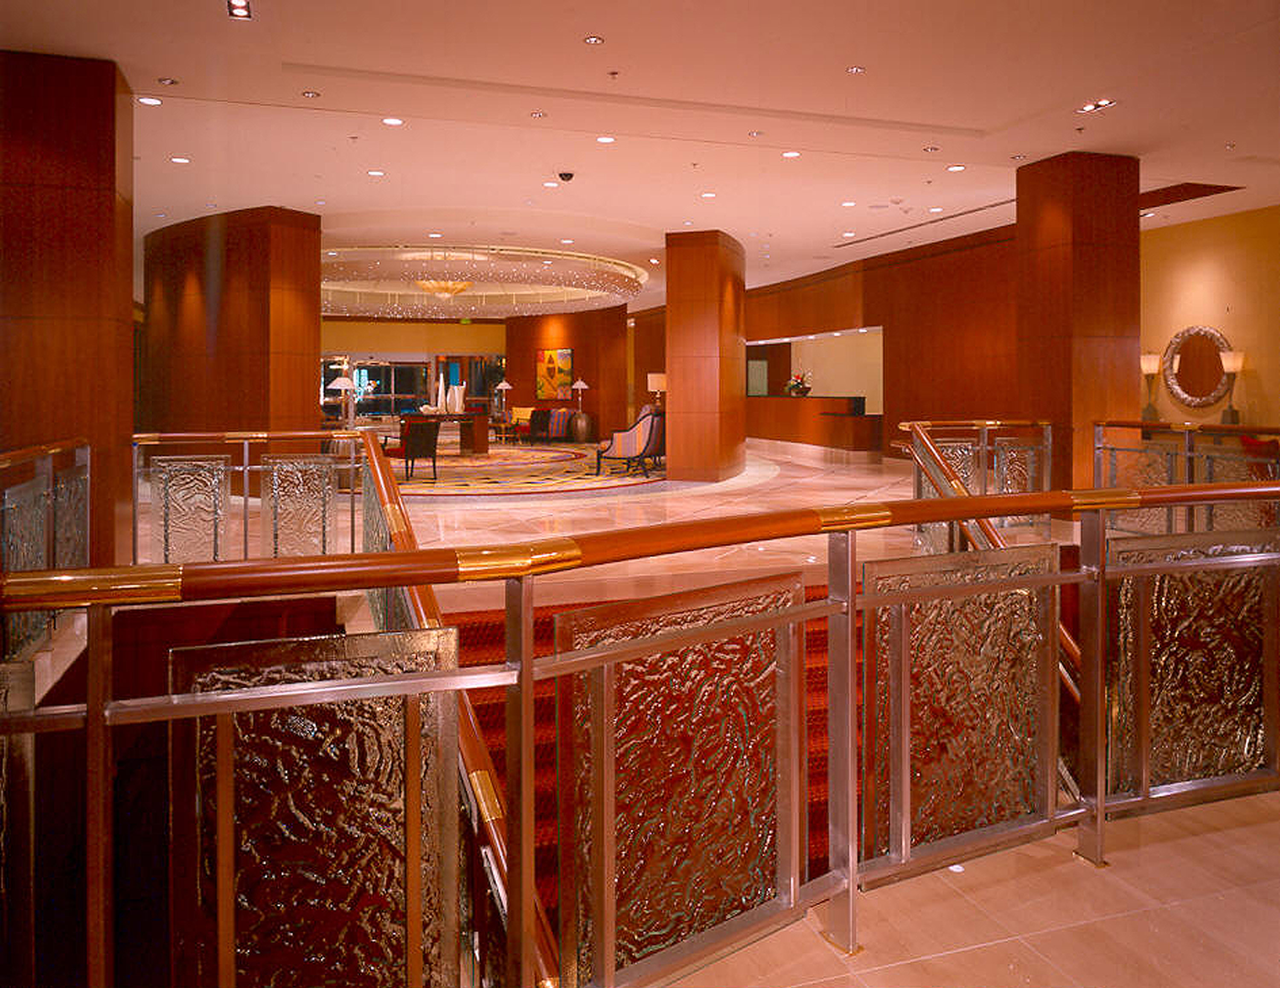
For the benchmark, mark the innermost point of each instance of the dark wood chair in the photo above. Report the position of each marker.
(419, 436)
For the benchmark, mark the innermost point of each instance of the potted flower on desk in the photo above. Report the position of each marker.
(798, 385)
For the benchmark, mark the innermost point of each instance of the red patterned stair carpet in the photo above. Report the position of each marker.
(481, 639)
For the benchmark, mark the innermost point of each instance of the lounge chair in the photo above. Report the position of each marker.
(645, 440)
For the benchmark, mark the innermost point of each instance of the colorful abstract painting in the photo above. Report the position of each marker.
(554, 374)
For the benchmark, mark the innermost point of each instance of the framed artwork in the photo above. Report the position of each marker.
(554, 374)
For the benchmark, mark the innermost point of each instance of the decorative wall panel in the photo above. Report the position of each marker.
(25, 527)
(981, 669)
(191, 496)
(299, 504)
(71, 518)
(320, 824)
(1206, 658)
(695, 773)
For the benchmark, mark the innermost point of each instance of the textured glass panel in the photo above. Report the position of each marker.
(299, 498)
(977, 665)
(375, 537)
(320, 827)
(26, 547)
(963, 457)
(1156, 464)
(71, 518)
(931, 537)
(1206, 661)
(1231, 464)
(191, 495)
(695, 738)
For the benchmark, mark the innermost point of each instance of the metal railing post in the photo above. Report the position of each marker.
(1093, 687)
(244, 490)
(1189, 453)
(521, 892)
(1098, 439)
(98, 803)
(137, 455)
(842, 760)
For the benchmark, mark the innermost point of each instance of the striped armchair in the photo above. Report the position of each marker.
(643, 441)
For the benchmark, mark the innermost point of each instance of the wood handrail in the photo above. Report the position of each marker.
(1207, 427)
(36, 590)
(29, 453)
(974, 424)
(253, 436)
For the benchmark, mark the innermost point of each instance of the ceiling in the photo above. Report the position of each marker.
(682, 87)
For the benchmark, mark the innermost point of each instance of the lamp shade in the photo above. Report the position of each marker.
(580, 385)
(1232, 361)
(657, 382)
(342, 384)
(503, 385)
(1150, 363)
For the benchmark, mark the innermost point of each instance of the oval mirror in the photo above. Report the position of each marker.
(1192, 366)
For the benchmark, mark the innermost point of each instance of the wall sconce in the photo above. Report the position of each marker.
(1150, 368)
(657, 384)
(580, 386)
(1232, 362)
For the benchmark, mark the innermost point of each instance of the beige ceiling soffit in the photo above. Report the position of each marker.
(688, 106)
(935, 220)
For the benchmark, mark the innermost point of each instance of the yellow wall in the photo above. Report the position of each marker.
(848, 364)
(1225, 273)
(407, 340)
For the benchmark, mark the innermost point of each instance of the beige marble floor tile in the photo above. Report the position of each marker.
(1009, 964)
(1043, 885)
(793, 956)
(1245, 919)
(1154, 948)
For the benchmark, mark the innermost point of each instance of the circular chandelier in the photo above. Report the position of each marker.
(453, 282)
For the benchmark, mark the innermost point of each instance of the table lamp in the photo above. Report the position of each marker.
(347, 387)
(502, 387)
(657, 384)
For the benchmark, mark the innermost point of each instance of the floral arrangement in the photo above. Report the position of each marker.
(798, 384)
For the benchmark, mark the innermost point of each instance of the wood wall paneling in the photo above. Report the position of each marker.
(66, 255)
(816, 421)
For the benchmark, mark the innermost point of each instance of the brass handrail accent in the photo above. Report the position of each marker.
(974, 424)
(156, 438)
(29, 453)
(1207, 427)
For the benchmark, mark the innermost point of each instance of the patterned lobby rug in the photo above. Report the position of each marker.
(517, 470)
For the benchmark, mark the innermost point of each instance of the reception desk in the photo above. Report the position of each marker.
(817, 421)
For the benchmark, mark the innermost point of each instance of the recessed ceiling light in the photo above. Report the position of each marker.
(149, 100)
(210, 205)
(755, 133)
(835, 334)
(707, 195)
(955, 168)
(1016, 157)
(593, 39)
(856, 69)
(537, 114)
(551, 185)
(435, 235)
(931, 148)
(935, 209)
(605, 139)
(179, 159)
(332, 253)
(167, 80)
(320, 202)
(848, 233)
(688, 222)
(791, 154)
(654, 260)
(861, 330)
(848, 202)
(240, 13)
(310, 94)
(546, 262)
(162, 215)
(1148, 215)
(1098, 104)
(376, 173)
(393, 121)
(566, 240)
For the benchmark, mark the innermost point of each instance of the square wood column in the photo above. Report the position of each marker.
(1078, 300)
(705, 356)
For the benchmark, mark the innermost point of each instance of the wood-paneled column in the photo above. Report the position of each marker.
(66, 270)
(233, 323)
(706, 356)
(1078, 300)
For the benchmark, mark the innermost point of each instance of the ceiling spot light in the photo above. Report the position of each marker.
(856, 69)
(861, 330)
(551, 185)
(149, 100)
(179, 159)
(755, 133)
(434, 235)
(161, 215)
(210, 205)
(593, 39)
(605, 139)
(239, 9)
(546, 262)
(393, 121)
(310, 94)
(1096, 105)
(1017, 157)
(321, 202)
(654, 260)
(707, 195)
(375, 173)
(537, 114)
(167, 80)
(688, 222)
(931, 148)
(332, 253)
(955, 168)
(847, 203)
(566, 240)
(1147, 216)
(848, 233)
(791, 154)
(935, 209)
